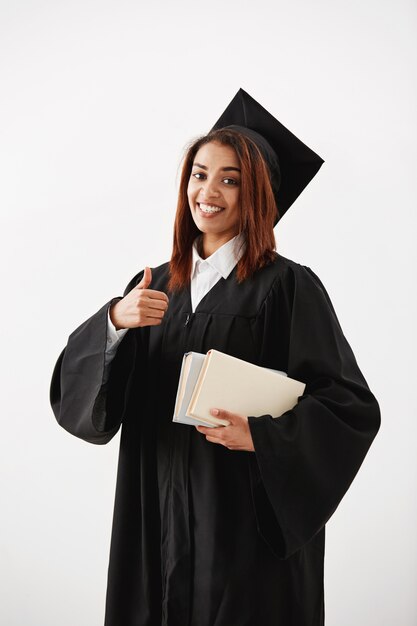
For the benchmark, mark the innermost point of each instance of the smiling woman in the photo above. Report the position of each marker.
(224, 169)
(221, 526)
(213, 196)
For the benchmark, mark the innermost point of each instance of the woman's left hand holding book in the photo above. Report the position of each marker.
(236, 436)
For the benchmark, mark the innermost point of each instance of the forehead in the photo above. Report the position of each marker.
(215, 153)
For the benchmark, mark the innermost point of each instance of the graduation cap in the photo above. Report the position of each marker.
(292, 164)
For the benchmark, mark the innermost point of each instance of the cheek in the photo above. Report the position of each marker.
(234, 199)
(189, 194)
(191, 189)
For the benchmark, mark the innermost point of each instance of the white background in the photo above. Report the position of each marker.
(98, 100)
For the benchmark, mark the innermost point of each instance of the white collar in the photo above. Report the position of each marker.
(224, 259)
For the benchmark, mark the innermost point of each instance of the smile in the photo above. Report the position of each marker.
(209, 208)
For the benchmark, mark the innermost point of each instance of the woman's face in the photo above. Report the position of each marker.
(214, 191)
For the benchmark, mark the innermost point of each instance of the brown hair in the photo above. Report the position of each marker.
(257, 214)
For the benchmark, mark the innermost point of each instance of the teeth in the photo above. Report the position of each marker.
(209, 208)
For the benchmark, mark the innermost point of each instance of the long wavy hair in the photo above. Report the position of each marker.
(257, 210)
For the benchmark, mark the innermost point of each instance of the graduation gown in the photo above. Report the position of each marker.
(203, 535)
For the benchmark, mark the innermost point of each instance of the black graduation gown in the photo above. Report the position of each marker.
(203, 535)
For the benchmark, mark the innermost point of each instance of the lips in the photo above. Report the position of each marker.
(209, 209)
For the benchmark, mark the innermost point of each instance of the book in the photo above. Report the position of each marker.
(217, 379)
(190, 369)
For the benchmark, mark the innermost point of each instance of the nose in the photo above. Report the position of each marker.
(208, 189)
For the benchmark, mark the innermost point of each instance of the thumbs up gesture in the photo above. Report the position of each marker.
(141, 306)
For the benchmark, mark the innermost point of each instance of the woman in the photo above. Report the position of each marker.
(221, 526)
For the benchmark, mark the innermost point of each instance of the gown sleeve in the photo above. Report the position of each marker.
(88, 399)
(306, 459)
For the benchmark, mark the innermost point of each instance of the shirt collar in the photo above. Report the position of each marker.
(224, 259)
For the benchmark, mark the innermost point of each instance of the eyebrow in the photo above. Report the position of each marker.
(224, 169)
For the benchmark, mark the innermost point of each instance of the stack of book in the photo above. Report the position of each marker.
(218, 380)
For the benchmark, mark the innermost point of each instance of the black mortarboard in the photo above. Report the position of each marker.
(291, 163)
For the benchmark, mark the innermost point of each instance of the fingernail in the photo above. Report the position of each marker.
(214, 411)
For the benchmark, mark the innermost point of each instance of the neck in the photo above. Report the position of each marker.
(209, 244)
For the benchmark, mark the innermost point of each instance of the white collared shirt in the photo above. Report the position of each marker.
(204, 275)
(206, 272)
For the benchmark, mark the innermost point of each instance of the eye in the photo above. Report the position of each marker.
(198, 174)
(231, 181)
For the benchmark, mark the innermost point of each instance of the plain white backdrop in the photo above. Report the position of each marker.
(97, 101)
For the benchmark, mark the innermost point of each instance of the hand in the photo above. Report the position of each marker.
(236, 436)
(141, 306)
